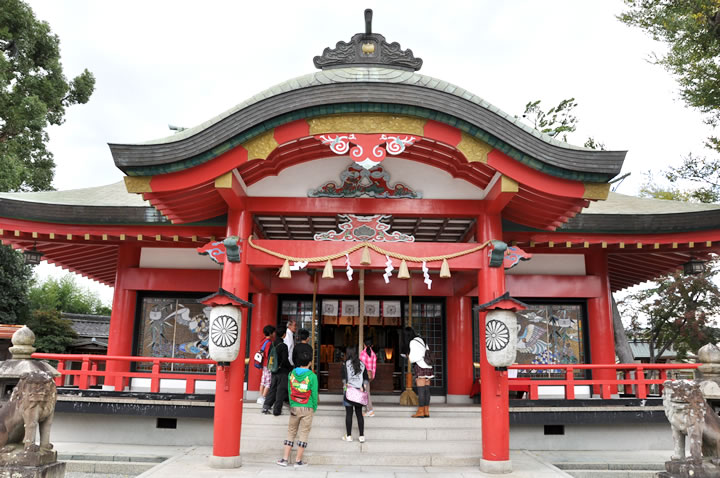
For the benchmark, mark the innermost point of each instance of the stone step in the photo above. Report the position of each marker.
(368, 459)
(612, 473)
(323, 418)
(375, 429)
(409, 447)
(101, 468)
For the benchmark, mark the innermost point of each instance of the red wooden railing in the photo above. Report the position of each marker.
(633, 376)
(90, 372)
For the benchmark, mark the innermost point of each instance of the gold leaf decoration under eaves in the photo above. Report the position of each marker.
(598, 191)
(261, 146)
(366, 124)
(474, 149)
(138, 184)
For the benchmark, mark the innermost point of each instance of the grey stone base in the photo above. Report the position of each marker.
(224, 462)
(21, 457)
(495, 467)
(688, 468)
(53, 470)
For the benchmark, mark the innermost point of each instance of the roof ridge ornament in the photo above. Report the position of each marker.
(368, 49)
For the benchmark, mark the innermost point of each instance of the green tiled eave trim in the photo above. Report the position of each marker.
(342, 108)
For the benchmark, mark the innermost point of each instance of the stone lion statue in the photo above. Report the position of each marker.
(690, 415)
(32, 403)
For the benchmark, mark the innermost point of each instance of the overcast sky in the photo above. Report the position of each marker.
(183, 62)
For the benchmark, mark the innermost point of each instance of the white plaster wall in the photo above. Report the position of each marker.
(622, 437)
(129, 429)
(137, 430)
(433, 183)
(175, 258)
(551, 264)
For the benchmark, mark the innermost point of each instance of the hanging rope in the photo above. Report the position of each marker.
(374, 247)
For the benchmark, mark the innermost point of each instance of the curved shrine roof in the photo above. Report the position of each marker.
(356, 89)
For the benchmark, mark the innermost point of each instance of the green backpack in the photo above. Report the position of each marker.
(272, 363)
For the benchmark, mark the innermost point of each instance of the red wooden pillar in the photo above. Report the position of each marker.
(122, 317)
(264, 313)
(493, 384)
(600, 323)
(227, 422)
(460, 360)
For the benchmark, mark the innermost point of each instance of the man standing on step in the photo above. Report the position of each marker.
(278, 393)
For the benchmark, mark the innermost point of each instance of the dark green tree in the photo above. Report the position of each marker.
(64, 295)
(34, 93)
(15, 278)
(53, 333)
(691, 31)
(677, 311)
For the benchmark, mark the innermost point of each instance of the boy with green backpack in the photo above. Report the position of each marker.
(303, 391)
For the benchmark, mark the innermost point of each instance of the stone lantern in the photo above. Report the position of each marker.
(20, 363)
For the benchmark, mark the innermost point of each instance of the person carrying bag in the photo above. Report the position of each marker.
(355, 382)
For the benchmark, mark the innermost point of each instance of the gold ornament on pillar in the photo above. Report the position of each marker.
(285, 270)
(403, 273)
(365, 261)
(445, 270)
(328, 271)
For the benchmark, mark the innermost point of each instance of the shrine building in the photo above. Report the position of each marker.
(362, 197)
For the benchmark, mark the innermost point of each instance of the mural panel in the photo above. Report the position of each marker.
(174, 327)
(550, 334)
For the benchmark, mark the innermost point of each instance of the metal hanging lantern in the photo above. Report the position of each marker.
(32, 256)
(694, 266)
(225, 326)
(501, 330)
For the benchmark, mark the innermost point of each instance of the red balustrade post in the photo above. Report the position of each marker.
(493, 384)
(60, 381)
(155, 377)
(641, 384)
(460, 361)
(84, 368)
(227, 422)
(570, 386)
(93, 377)
(600, 325)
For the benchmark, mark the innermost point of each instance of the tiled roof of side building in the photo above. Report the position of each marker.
(629, 214)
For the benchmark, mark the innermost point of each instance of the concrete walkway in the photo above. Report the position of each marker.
(194, 462)
(173, 461)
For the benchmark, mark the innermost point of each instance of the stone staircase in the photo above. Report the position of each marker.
(450, 437)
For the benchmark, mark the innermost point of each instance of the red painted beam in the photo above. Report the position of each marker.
(500, 194)
(698, 237)
(533, 178)
(79, 230)
(396, 207)
(181, 280)
(308, 249)
(301, 283)
(201, 173)
(553, 286)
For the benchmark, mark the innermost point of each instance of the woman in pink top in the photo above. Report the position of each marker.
(368, 357)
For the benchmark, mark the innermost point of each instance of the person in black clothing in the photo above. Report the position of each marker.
(303, 337)
(278, 393)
